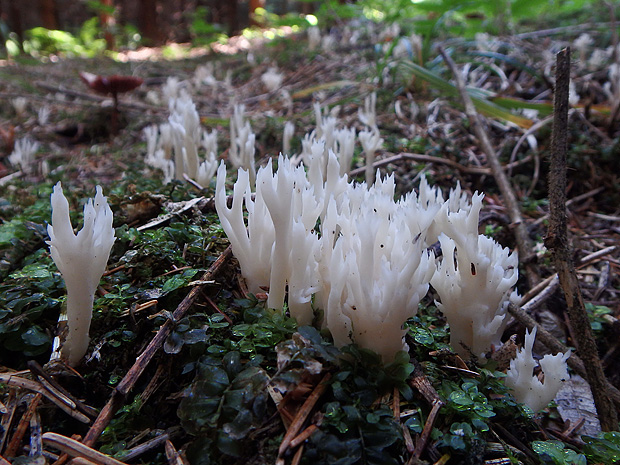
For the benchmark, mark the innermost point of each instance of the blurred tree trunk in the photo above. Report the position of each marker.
(47, 12)
(15, 20)
(254, 4)
(233, 23)
(107, 22)
(148, 21)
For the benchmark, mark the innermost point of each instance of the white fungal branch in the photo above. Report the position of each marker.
(81, 259)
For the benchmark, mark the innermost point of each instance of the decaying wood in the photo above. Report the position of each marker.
(524, 243)
(146, 446)
(557, 241)
(126, 384)
(420, 382)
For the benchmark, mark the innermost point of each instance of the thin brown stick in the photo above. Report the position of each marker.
(297, 457)
(122, 389)
(576, 199)
(420, 382)
(7, 418)
(524, 243)
(302, 414)
(396, 404)
(557, 242)
(540, 298)
(20, 431)
(56, 389)
(539, 293)
(437, 160)
(305, 434)
(426, 432)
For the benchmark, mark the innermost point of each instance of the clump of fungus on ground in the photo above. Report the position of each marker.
(81, 259)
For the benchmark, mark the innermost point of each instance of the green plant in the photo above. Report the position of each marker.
(41, 42)
(597, 315)
(204, 32)
(603, 449)
(556, 452)
(225, 402)
(357, 429)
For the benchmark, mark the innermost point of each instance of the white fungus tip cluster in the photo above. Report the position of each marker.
(526, 386)
(81, 259)
(364, 256)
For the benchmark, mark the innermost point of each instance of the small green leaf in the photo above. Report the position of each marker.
(32, 271)
(173, 283)
(35, 337)
(460, 398)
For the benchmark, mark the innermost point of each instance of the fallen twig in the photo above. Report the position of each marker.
(126, 384)
(579, 198)
(437, 160)
(67, 406)
(557, 242)
(75, 448)
(420, 382)
(302, 414)
(7, 418)
(426, 432)
(56, 389)
(173, 456)
(20, 431)
(524, 243)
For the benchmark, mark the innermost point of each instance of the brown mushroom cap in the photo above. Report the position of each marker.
(114, 84)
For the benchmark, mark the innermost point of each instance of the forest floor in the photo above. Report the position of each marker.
(206, 386)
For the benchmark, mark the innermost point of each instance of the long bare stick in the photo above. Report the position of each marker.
(120, 392)
(557, 242)
(512, 205)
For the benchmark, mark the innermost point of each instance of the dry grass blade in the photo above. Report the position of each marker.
(20, 431)
(173, 456)
(485, 106)
(75, 448)
(35, 386)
